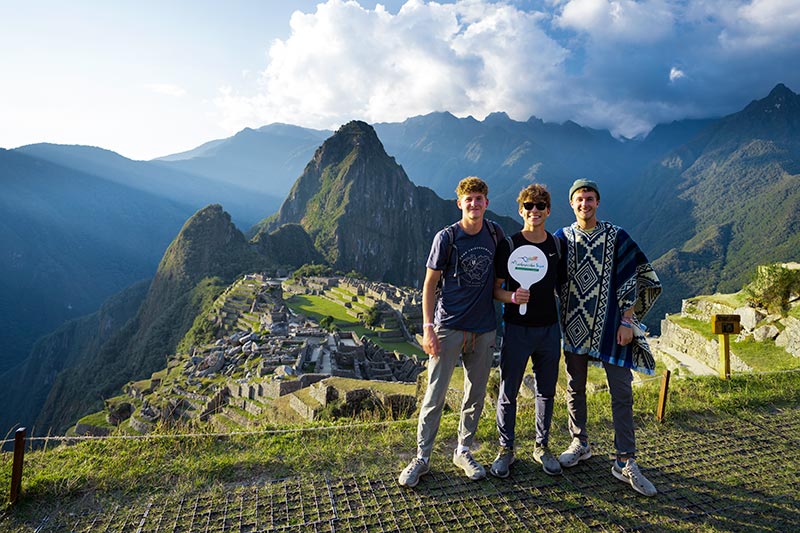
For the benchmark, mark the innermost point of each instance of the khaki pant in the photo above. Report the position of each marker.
(477, 352)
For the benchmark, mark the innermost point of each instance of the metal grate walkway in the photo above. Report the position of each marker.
(754, 487)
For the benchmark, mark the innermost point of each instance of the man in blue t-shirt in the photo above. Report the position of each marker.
(461, 322)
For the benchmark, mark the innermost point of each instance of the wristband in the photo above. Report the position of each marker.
(514, 297)
(625, 324)
(428, 324)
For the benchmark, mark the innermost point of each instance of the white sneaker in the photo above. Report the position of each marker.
(410, 475)
(631, 474)
(469, 465)
(576, 452)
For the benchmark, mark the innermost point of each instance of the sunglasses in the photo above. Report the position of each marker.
(541, 206)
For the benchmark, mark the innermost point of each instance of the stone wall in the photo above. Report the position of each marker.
(89, 430)
(697, 346)
(217, 400)
(702, 310)
(789, 338)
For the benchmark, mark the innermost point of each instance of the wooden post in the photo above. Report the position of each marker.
(662, 397)
(724, 325)
(16, 470)
(724, 356)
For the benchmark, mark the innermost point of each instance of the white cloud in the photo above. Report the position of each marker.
(619, 20)
(675, 74)
(761, 24)
(621, 65)
(345, 62)
(167, 89)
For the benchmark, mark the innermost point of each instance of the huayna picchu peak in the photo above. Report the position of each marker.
(362, 211)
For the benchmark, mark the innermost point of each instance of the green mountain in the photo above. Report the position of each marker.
(266, 160)
(184, 186)
(71, 239)
(727, 201)
(208, 253)
(353, 208)
(707, 212)
(25, 388)
(362, 211)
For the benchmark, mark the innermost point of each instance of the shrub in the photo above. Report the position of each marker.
(312, 270)
(373, 317)
(772, 287)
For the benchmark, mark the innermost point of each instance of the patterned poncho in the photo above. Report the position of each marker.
(607, 274)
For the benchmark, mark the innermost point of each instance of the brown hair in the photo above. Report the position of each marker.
(535, 192)
(472, 184)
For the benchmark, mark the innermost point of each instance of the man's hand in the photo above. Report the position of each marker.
(624, 335)
(521, 296)
(430, 342)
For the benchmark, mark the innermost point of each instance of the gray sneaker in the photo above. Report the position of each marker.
(410, 475)
(549, 463)
(505, 458)
(576, 452)
(630, 474)
(471, 467)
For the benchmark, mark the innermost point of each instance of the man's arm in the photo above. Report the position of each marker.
(520, 296)
(430, 342)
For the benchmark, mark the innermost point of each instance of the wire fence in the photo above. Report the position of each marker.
(711, 476)
(336, 427)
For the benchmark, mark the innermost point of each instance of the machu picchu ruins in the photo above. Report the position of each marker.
(268, 363)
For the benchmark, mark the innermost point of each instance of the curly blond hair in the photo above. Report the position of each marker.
(472, 184)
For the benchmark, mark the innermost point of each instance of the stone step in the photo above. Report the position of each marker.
(238, 416)
(222, 423)
(304, 404)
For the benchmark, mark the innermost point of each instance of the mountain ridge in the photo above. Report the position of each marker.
(699, 210)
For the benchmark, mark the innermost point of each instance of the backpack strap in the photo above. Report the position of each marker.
(558, 246)
(451, 237)
(493, 230)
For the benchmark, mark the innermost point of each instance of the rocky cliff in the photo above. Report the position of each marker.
(362, 211)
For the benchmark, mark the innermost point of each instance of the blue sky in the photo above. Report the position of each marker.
(150, 78)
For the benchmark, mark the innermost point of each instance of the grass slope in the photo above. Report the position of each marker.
(127, 470)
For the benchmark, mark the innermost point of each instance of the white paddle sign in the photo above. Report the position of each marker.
(527, 265)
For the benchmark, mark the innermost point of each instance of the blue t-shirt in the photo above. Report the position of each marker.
(466, 302)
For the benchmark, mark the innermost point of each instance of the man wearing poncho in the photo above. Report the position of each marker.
(609, 285)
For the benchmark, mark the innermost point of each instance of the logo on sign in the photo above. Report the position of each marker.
(530, 263)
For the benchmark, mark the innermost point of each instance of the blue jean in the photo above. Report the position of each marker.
(619, 385)
(543, 346)
(477, 352)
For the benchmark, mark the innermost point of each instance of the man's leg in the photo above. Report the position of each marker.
(619, 385)
(579, 449)
(513, 359)
(625, 468)
(545, 368)
(477, 355)
(440, 370)
(576, 394)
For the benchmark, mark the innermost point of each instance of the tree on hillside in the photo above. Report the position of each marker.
(312, 269)
(327, 323)
(773, 287)
(373, 317)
